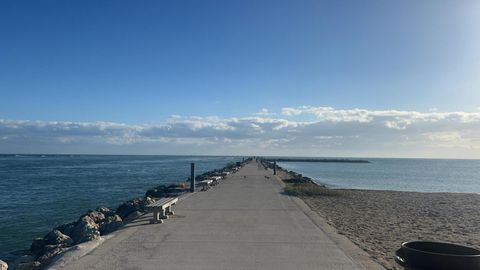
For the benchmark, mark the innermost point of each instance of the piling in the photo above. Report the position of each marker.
(192, 177)
(274, 167)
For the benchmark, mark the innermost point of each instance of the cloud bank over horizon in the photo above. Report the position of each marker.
(293, 131)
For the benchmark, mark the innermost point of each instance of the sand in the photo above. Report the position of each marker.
(379, 221)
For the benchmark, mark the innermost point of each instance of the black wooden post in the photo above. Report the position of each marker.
(192, 177)
(274, 167)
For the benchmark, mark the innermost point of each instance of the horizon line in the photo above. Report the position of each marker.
(246, 156)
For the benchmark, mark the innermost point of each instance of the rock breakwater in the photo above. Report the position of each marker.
(94, 224)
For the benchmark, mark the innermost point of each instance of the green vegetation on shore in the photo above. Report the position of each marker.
(299, 185)
(297, 188)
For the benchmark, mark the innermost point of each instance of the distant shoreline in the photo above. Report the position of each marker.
(269, 158)
(450, 176)
(333, 160)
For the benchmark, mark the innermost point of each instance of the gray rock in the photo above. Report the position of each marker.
(147, 200)
(133, 216)
(49, 248)
(55, 237)
(96, 216)
(3, 265)
(24, 259)
(110, 224)
(107, 212)
(85, 230)
(48, 257)
(38, 246)
(67, 228)
(28, 266)
(129, 207)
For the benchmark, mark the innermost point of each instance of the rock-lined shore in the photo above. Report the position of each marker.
(94, 224)
(379, 221)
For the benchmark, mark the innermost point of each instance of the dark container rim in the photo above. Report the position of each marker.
(404, 245)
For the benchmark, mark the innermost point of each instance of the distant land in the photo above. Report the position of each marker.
(340, 160)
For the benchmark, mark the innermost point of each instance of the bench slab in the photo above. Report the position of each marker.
(161, 209)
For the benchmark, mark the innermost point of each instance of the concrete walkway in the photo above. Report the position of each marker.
(243, 223)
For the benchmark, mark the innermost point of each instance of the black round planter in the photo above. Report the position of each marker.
(425, 255)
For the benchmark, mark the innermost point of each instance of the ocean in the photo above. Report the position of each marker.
(39, 192)
(421, 175)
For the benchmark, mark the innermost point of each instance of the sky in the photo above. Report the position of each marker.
(301, 78)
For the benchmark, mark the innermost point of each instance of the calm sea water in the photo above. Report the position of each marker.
(38, 193)
(423, 175)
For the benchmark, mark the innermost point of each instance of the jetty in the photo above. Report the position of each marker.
(244, 222)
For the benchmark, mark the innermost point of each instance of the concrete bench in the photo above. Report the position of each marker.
(205, 184)
(161, 209)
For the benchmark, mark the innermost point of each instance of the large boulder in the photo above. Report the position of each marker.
(146, 201)
(38, 246)
(48, 257)
(96, 216)
(56, 237)
(110, 224)
(85, 230)
(133, 216)
(129, 207)
(35, 265)
(107, 212)
(138, 204)
(3, 265)
(24, 259)
(67, 228)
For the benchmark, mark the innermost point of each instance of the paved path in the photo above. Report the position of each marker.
(243, 223)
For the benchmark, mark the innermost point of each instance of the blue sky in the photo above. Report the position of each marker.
(139, 63)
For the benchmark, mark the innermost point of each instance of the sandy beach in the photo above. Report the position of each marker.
(379, 221)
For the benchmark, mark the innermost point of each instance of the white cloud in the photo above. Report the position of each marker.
(332, 132)
(263, 112)
(444, 137)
